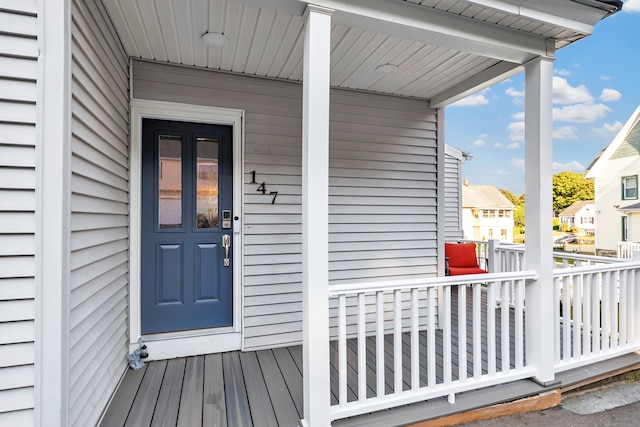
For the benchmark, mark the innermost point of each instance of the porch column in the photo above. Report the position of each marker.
(538, 212)
(315, 216)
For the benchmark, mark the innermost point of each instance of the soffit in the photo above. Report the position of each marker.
(268, 42)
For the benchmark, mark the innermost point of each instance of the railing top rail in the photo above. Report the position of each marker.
(582, 257)
(393, 285)
(625, 265)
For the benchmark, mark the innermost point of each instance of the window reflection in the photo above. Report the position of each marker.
(170, 181)
(207, 183)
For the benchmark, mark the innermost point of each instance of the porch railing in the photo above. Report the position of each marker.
(388, 335)
(597, 313)
(626, 249)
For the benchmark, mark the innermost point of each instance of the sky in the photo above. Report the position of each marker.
(596, 88)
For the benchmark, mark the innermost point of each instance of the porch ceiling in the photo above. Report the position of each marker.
(443, 49)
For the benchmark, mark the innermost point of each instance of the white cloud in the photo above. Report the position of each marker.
(475, 100)
(513, 146)
(564, 93)
(501, 172)
(516, 131)
(573, 166)
(603, 77)
(497, 145)
(565, 132)
(512, 91)
(479, 143)
(518, 116)
(609, 95)
(580, 113)
(518, 163)
(609, 128)
(562, 72)
(631, 6)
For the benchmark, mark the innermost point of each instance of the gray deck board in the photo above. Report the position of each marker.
(283, 406)
(145, 402)
(190, 412)
(292, 377)
(237, 402)
(166, 413)
(117, 412)
(259, 401)
(214, 410)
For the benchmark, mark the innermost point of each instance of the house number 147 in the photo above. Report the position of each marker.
(262, 188)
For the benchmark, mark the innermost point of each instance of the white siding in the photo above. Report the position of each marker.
(98, 336)
(382, 187)
(18, 89)
(452, 199)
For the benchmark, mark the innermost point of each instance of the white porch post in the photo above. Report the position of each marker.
(315, 216)
(538, 208)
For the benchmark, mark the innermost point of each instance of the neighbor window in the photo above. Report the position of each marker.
(630, 187)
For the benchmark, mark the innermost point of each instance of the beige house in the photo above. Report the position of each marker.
(580, 215)
(486, 213)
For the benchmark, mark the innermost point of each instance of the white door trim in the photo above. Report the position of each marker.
(187, 343)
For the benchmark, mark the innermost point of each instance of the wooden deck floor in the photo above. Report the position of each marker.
(264, 388)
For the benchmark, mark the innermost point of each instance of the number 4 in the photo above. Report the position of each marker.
(262, 188)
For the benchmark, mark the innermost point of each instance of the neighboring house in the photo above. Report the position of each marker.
(486, 213)
(310, 141)
(615, 172)
(454, 158)
(580, 215)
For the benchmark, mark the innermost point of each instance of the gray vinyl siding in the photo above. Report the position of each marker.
(18, 110)
(452, 199)
(382, 191)
(98, 319)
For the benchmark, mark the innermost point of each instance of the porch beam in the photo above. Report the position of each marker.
(315, 216)
(421, 24)
(538, 210)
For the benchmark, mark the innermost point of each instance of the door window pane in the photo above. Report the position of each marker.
(207, 183)
(170, 181)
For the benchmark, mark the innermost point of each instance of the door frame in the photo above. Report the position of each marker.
(192, 342)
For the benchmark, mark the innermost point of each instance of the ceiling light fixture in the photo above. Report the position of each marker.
(215, 39)
(386, 68)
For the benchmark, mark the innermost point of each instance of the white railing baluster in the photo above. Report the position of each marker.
(431, 338)
(519, 323)
(415, 341)
(342, 349)
(606, 311)
(462, 332)
(596, 310)
(613, 311)
(380, 372)
(577, 315)
(587, 321)
(491, 328)
(622, 306)
(505, 329)
(566, 318)
(397, 341)
(556, 320)
(362, 349)
(446, 335)
(477, 330)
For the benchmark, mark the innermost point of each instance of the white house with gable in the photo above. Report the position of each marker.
(615, 173)
(486, 213)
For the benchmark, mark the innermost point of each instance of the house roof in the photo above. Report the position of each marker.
(626, 143)
(442, 50)
(484, 197)
(576, 207)
(633, 207)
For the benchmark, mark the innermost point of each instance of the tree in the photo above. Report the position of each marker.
(518, 213)
(569, 187)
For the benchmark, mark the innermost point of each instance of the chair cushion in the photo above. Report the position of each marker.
(461, 254)
(459, 271)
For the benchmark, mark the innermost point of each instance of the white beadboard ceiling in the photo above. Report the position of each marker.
(433, 42)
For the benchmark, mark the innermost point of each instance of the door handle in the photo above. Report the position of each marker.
(226, 244)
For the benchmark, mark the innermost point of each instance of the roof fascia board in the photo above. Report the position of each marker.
(482, 80)
(554, 12)
(421, 24)
(596, 169)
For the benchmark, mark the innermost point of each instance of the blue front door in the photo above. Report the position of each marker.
(186, 226)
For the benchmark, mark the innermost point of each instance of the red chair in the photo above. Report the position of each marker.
(461, 259)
